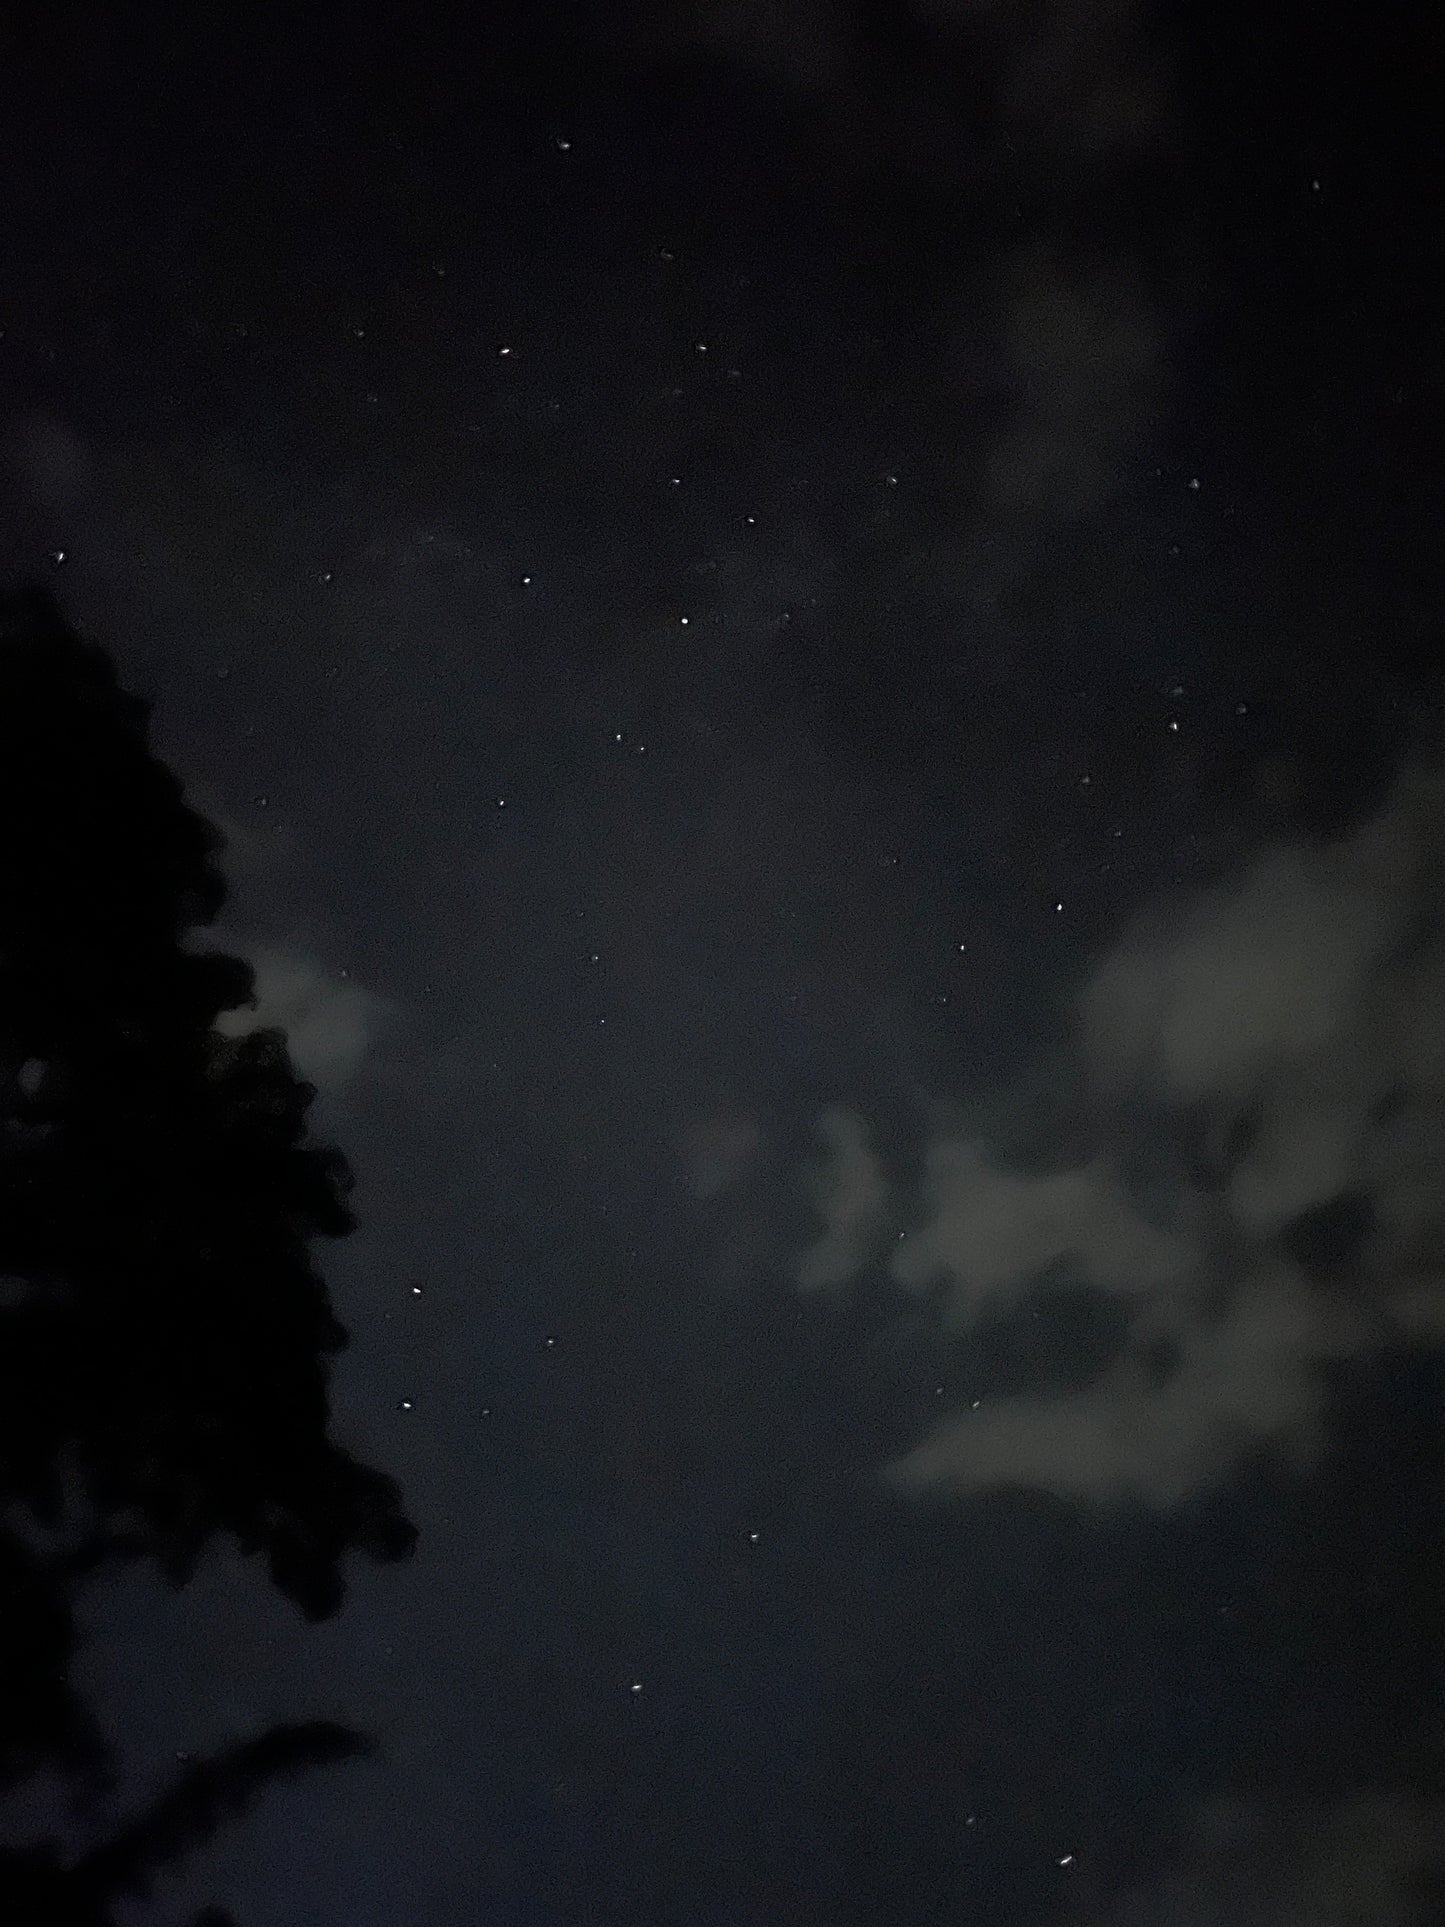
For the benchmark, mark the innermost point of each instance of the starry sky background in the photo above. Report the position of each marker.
(815, 631)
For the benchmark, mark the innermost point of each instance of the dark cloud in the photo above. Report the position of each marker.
(1034, 132)
(47, 460)
(1366, 1861)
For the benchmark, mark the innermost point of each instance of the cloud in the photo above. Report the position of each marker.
(1276, 1047)
(1034, 114)
(850, 1194)
(1242, 1384)
(1080, 78)
(1071, 77)
(810, 45)
(1360, 1862)
(719, 1152)
(1085, 359)
(990, 1227)
(53, 464)
(330, 1022)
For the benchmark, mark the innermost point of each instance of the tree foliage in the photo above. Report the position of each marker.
(165, 1337)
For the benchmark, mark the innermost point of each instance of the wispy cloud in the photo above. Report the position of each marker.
(849, 1192)
(1278, 1043)
(719, 1151)
(1361, 1862)
(1032, 114)
(1084, 351)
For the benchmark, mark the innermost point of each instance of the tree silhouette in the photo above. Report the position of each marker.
(164, 1336)
(40, 1884)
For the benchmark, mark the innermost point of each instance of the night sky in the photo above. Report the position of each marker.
(814, 631)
